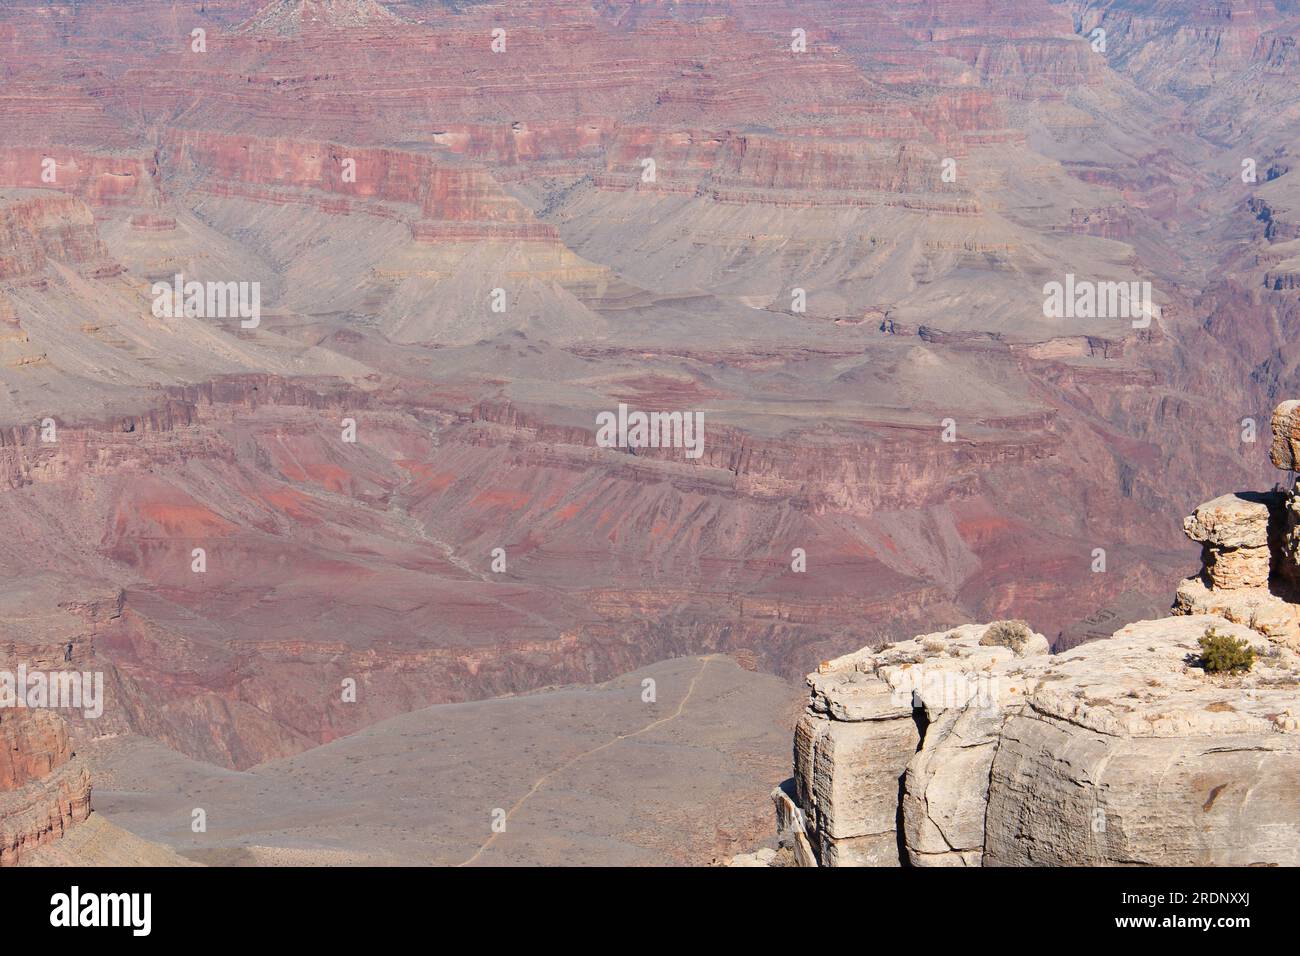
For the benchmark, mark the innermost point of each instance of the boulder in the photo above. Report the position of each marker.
(1237, 533)
(1234, 521)
(1285, 452)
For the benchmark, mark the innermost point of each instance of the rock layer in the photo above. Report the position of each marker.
(976, 747)
(919, 172)
(44, 786)
(937, 752)
(1250, 559)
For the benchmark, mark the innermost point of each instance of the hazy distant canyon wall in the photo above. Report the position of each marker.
(836, 256)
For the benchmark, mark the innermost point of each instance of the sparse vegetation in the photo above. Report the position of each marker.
(1223, 654)
(1012, 634)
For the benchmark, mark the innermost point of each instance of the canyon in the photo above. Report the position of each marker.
(836, 255)
(977, 747)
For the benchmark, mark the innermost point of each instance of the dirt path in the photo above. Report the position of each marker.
(541, 781)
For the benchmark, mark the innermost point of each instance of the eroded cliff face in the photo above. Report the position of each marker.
(471, 172)
(296, 525)
(977, 747)
(41, 226)
(44, 786)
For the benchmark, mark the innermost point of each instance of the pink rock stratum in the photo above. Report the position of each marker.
(907, 314)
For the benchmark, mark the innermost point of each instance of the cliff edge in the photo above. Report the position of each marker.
(977, 747)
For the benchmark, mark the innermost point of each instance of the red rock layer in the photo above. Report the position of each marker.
(44, 788)
(39, 228)
(439, 199)
(98, 180)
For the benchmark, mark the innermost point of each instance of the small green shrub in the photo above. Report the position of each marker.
(1012, 634)
(1223, 654)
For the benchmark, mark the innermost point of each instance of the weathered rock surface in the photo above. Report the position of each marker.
(1123, 751)
(954, 750)
(1257, 608)
(44, 786)
(1285, 452)
(1129, 754)
(869, 714)
(1233, 521)
(1249, 552)
(1234, 532)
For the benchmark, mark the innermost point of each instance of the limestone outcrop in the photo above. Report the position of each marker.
(977, 747)
(1285, 452)
(1249, 561)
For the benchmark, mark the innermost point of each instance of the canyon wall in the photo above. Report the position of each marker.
(44, 786)
(975, 746)
(918, 173)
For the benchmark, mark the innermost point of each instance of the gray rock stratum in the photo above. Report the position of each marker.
(975, 746)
